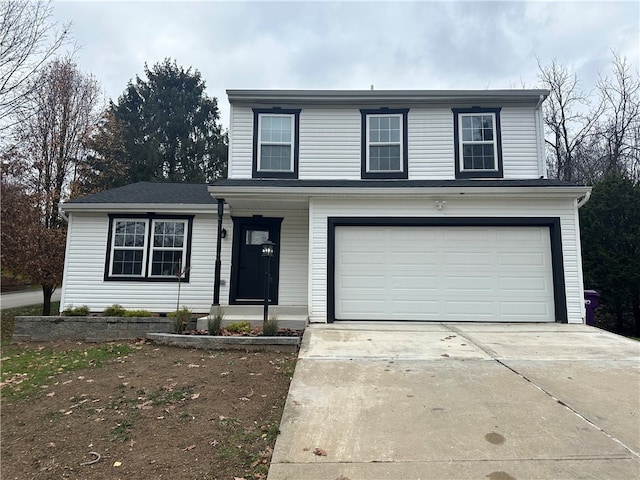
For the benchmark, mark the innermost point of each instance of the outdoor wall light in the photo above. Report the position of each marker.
(267, 248)
(223, 233)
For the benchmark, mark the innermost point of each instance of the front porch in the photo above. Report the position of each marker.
(295, 317)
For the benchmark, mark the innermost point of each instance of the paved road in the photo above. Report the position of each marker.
(21, 299)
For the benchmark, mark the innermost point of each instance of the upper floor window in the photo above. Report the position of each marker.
(384, 143)
(148, 247)
(275, 143)
(478, 149)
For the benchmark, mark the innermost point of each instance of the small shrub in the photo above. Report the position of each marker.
(72, 311)
(270, 327)
(239, 327)
(180, 319)
(138, 313)
(114, 310)
(214, 323)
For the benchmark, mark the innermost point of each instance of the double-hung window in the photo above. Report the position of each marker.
(384, 143)
(128, 248)
(149, 247)
(478, 149)
(275, 143)
(168, 248)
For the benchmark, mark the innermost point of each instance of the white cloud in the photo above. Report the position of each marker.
(417, 45)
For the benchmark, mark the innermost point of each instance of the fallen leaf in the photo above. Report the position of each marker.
(190, 447)
(132, 443)
(444, 355)
(117, 464)
(320, 452)
(51, 394)
(306, 449)
(193, 365)
(195, 396)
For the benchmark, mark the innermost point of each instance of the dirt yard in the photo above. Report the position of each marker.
(157, 413)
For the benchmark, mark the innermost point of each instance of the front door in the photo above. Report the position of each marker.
(248, 265)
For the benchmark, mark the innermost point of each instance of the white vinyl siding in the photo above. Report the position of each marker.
(330, 143)
(519, 143)
(84, 283)
(321, 209)
(240, 142)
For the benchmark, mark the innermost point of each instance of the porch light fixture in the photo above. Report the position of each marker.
(267, 253)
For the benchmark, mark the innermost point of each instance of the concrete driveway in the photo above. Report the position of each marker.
(461, 401)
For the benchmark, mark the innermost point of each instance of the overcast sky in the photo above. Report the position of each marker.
(351, 45)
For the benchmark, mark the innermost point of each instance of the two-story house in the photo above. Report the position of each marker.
(382, 205)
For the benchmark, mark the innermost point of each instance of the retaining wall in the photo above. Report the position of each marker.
(88, 329)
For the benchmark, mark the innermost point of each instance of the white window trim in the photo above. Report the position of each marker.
(291, 143)
(173, 249)
(382, 144)
(462, 143)
(144, 247)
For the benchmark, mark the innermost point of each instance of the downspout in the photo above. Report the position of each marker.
(542, 171)
(62, 214)
(584, 199)
(218, 265)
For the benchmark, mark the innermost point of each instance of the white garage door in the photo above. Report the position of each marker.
(500, 274)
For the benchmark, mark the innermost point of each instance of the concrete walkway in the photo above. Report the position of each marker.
(461, 401)
(28, 297)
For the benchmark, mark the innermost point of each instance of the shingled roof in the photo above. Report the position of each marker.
(152, 192)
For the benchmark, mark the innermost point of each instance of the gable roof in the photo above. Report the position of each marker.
(152, 192)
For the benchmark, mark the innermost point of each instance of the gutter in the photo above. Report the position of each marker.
(139, 207)
(573, 191)
(584, 199)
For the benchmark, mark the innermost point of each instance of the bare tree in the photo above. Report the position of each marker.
(27, 247)
(64, 109)
(619, 129)
(569, 117)
(28, 40)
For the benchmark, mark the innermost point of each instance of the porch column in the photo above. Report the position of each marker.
(218, 266)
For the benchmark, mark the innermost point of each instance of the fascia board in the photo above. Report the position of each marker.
(355, 97)
(139, 207)
(574, 192)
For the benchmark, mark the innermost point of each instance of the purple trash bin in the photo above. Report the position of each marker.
(591, 301)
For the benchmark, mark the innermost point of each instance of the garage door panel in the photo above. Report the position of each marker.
(468, 284)
(467, 258)
(414, 258)
(521, 259)
(524, 284)
(523, 308)
(362, 282)
(363, 259)
(372, 309)
(443, 273)
(471, 308)
(406, 285)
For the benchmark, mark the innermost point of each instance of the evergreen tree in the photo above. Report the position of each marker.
(167, 128)
(610, 231)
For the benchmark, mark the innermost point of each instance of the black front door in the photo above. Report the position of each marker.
(248, 265)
